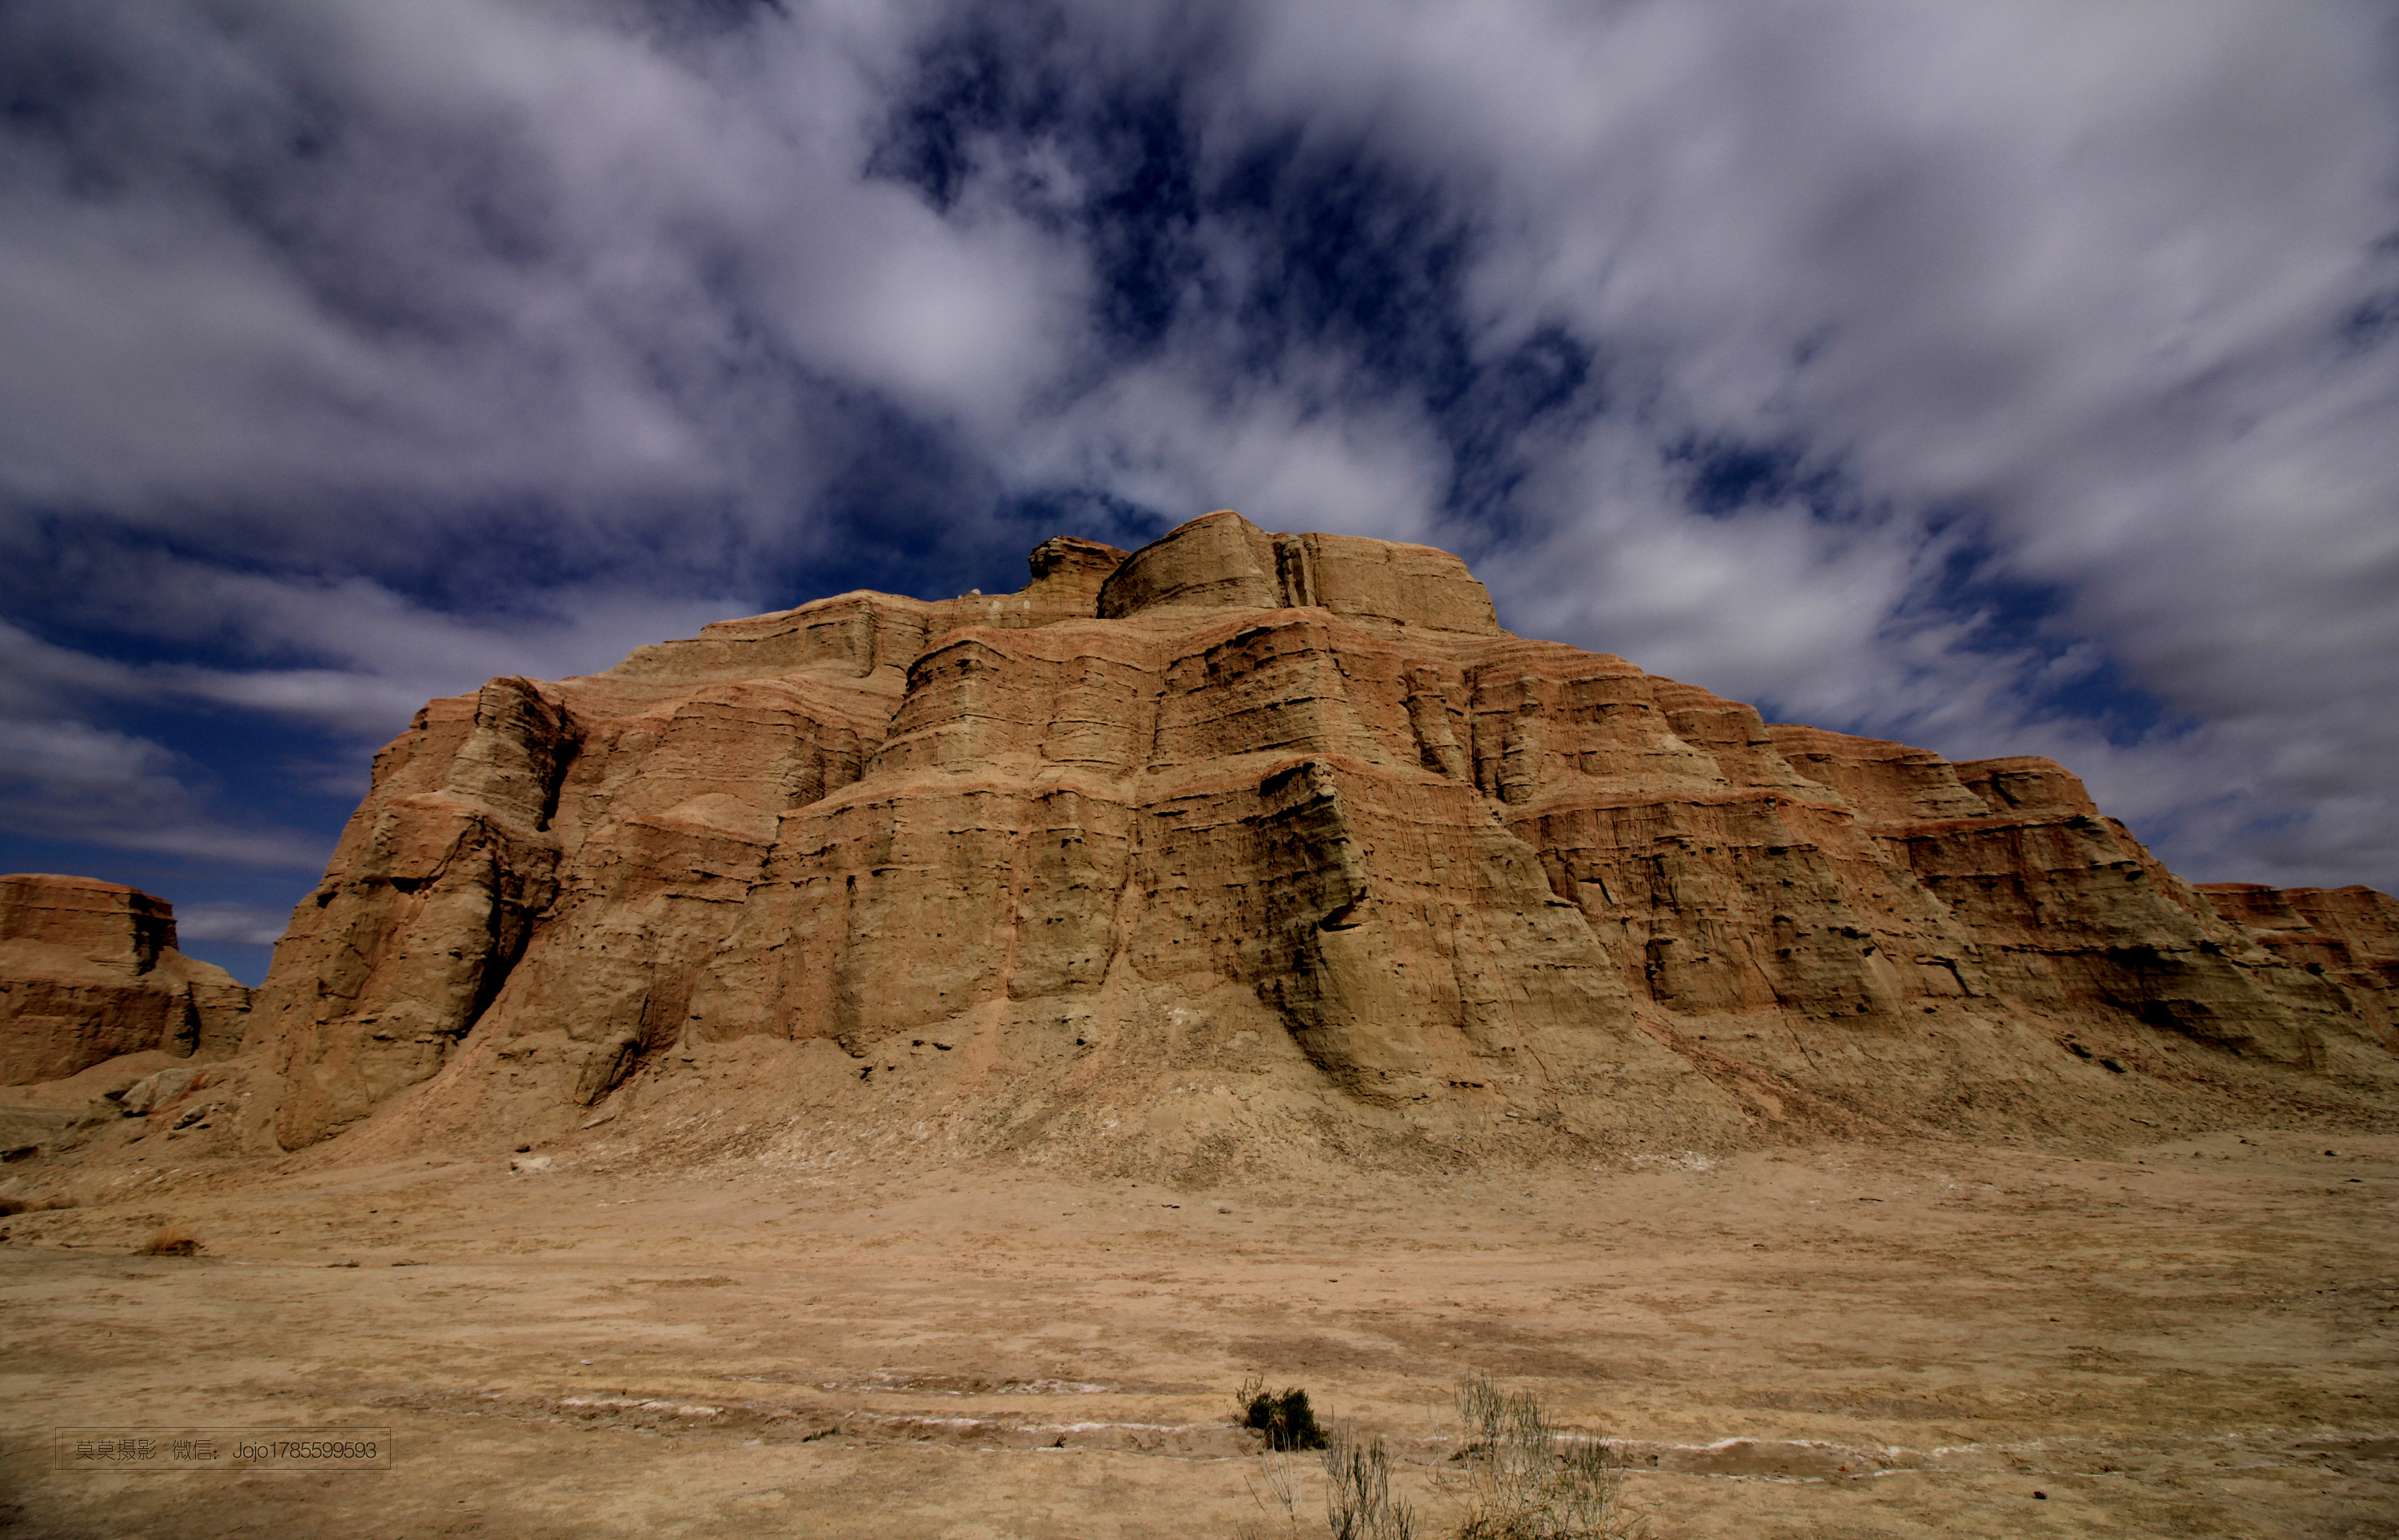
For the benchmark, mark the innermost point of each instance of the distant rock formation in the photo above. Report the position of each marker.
(89, 970)
(1247, 836)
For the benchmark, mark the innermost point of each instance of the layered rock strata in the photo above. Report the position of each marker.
(89, 970)
(1239, 833)
(2349, 936)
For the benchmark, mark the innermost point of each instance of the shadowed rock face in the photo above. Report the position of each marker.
(89, 970)
(1287, 814)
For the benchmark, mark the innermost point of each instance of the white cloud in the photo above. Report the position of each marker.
(66, 781)
(242, 925)
(1159, 437)
(2073, 272)
(534, 256)
(2071, 300)
(363, 657)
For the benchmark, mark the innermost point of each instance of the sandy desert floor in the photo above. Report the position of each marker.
(2192, 1339)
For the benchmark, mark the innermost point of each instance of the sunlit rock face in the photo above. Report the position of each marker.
(89, 970)
(1240, 834)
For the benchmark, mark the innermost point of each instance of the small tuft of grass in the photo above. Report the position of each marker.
(1286, 1419)
(171, 1240)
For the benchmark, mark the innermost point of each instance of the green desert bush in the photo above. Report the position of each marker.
(1286, 1420)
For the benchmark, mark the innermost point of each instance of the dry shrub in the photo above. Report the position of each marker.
(1279, 1472)
(171, 1240)
(1358, 1501)
(1523, 1483)
(1521, 1478)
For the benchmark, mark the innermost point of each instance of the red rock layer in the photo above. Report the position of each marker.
(89, 970)
(1287, 820)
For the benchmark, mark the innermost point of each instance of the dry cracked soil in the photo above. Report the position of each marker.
(2193, 1338)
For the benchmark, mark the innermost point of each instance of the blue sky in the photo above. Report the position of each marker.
(2002, 377)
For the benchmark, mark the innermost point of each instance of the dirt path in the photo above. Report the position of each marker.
(2196, 1339)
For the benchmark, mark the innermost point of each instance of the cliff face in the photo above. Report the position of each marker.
(89, 970)
(2349, 936)
(1246, 831)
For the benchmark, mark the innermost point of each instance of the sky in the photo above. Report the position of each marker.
(1996, 375)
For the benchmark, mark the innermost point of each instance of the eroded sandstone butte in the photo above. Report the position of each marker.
(1247, 836)
(89, 971)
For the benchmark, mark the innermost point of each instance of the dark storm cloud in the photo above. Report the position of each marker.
(2011, 377)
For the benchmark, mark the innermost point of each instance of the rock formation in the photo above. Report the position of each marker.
(1245, 836)
(89, 970)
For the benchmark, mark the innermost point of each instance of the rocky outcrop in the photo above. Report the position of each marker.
(89, 970)
(1243, 836)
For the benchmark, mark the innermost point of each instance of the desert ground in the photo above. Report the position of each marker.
(2193, 1338)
